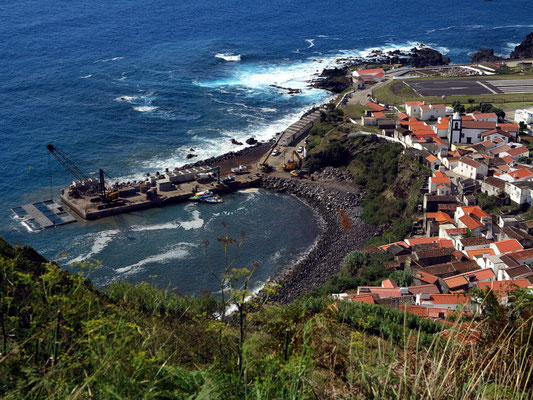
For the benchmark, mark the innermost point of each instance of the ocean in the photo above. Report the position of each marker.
(132, 87)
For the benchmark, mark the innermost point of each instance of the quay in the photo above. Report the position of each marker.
(137, 197)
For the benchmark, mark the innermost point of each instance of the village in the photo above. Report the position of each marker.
(476, 159)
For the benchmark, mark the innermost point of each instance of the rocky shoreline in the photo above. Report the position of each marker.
(341, 231)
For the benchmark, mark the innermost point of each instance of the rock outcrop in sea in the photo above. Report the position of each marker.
(485, 55)
(524, 49)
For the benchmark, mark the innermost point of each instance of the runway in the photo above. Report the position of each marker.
(471, 86)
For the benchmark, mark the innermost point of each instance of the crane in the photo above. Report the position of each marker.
(80, 175)
(69, 165)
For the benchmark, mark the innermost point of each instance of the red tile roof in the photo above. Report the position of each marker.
(470, 161)
(429, 288)
(425, 276)
(388, 283)
(479, 252)
(449, 299)
(522, 255)
(476, 210)
(470, 222)
(485, 125)
(508, 245)
(375, 107)
(506, 286)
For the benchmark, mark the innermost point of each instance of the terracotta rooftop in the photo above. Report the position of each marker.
(508, 245)
(504, 285)
(425, 276)
(429, 288)
(470, 161)
(475, 241)
(521, 255)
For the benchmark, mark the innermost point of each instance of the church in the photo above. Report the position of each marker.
(467, 131)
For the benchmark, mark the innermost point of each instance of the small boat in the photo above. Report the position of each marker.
(212, 199)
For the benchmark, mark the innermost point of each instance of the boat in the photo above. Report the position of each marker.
(212, 199)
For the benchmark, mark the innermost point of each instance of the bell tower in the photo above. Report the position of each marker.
(455, 129)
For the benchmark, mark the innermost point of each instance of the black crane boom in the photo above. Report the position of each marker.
(69, 165)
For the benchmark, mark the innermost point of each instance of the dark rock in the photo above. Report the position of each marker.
(191, 149)
(236, 142)
(427, 56)
(189, 156)
(335, 80)
(524, 49)
(251, 141)
(485, 55)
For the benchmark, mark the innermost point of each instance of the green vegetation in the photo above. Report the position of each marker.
(62, 338)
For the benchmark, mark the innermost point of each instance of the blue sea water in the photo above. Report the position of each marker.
(131, 86)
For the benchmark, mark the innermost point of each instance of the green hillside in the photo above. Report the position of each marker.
(62, 338)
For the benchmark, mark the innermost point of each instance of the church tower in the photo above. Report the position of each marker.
(455, 129)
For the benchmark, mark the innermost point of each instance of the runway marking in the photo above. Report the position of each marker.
(486, 87)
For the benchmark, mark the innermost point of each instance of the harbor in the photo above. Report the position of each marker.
(91, 198)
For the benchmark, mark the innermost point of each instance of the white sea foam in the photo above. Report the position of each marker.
(322, 36)
(268, 110)
(110, 59)
(229, 57)
(101, 240)
(145, 108)
(86, 76)
(195, 223)
(311, 43)
(177, 252)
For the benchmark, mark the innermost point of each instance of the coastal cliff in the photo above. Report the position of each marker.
(524, 49)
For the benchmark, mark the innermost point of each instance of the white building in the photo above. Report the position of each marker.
(425, 112)
(524, 115)
(470, 168)
(468, 132)
(519, 192)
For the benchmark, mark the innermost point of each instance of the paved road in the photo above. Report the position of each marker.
(473, 86)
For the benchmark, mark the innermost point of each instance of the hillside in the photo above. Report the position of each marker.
(62, 338)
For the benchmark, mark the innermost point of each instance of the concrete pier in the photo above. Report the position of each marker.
(88, 210)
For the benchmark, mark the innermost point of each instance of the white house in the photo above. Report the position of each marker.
(425, 112)
(492, 186)
(519, 192)
(470, 168)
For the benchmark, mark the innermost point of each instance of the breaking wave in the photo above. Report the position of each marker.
(229, 57)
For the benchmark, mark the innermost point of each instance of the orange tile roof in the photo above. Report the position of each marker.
(505, 285)
(479, 115)
(517, 151)
(450, 299)
(509, 127)
(414, 103)
(508, 245)
(388, 283)
(441, 217)
(381, 292)
(522, 254)
(431, 158)
(456, 230)
(372, 71)
(439, 174)
(508, 159)
(480, 252)
(476, 210)
(363, 299)
(455, 281)
(444, 179)
(378, 114)
(375, 107)
(425, 276)
(429, 288)
(470, 222)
